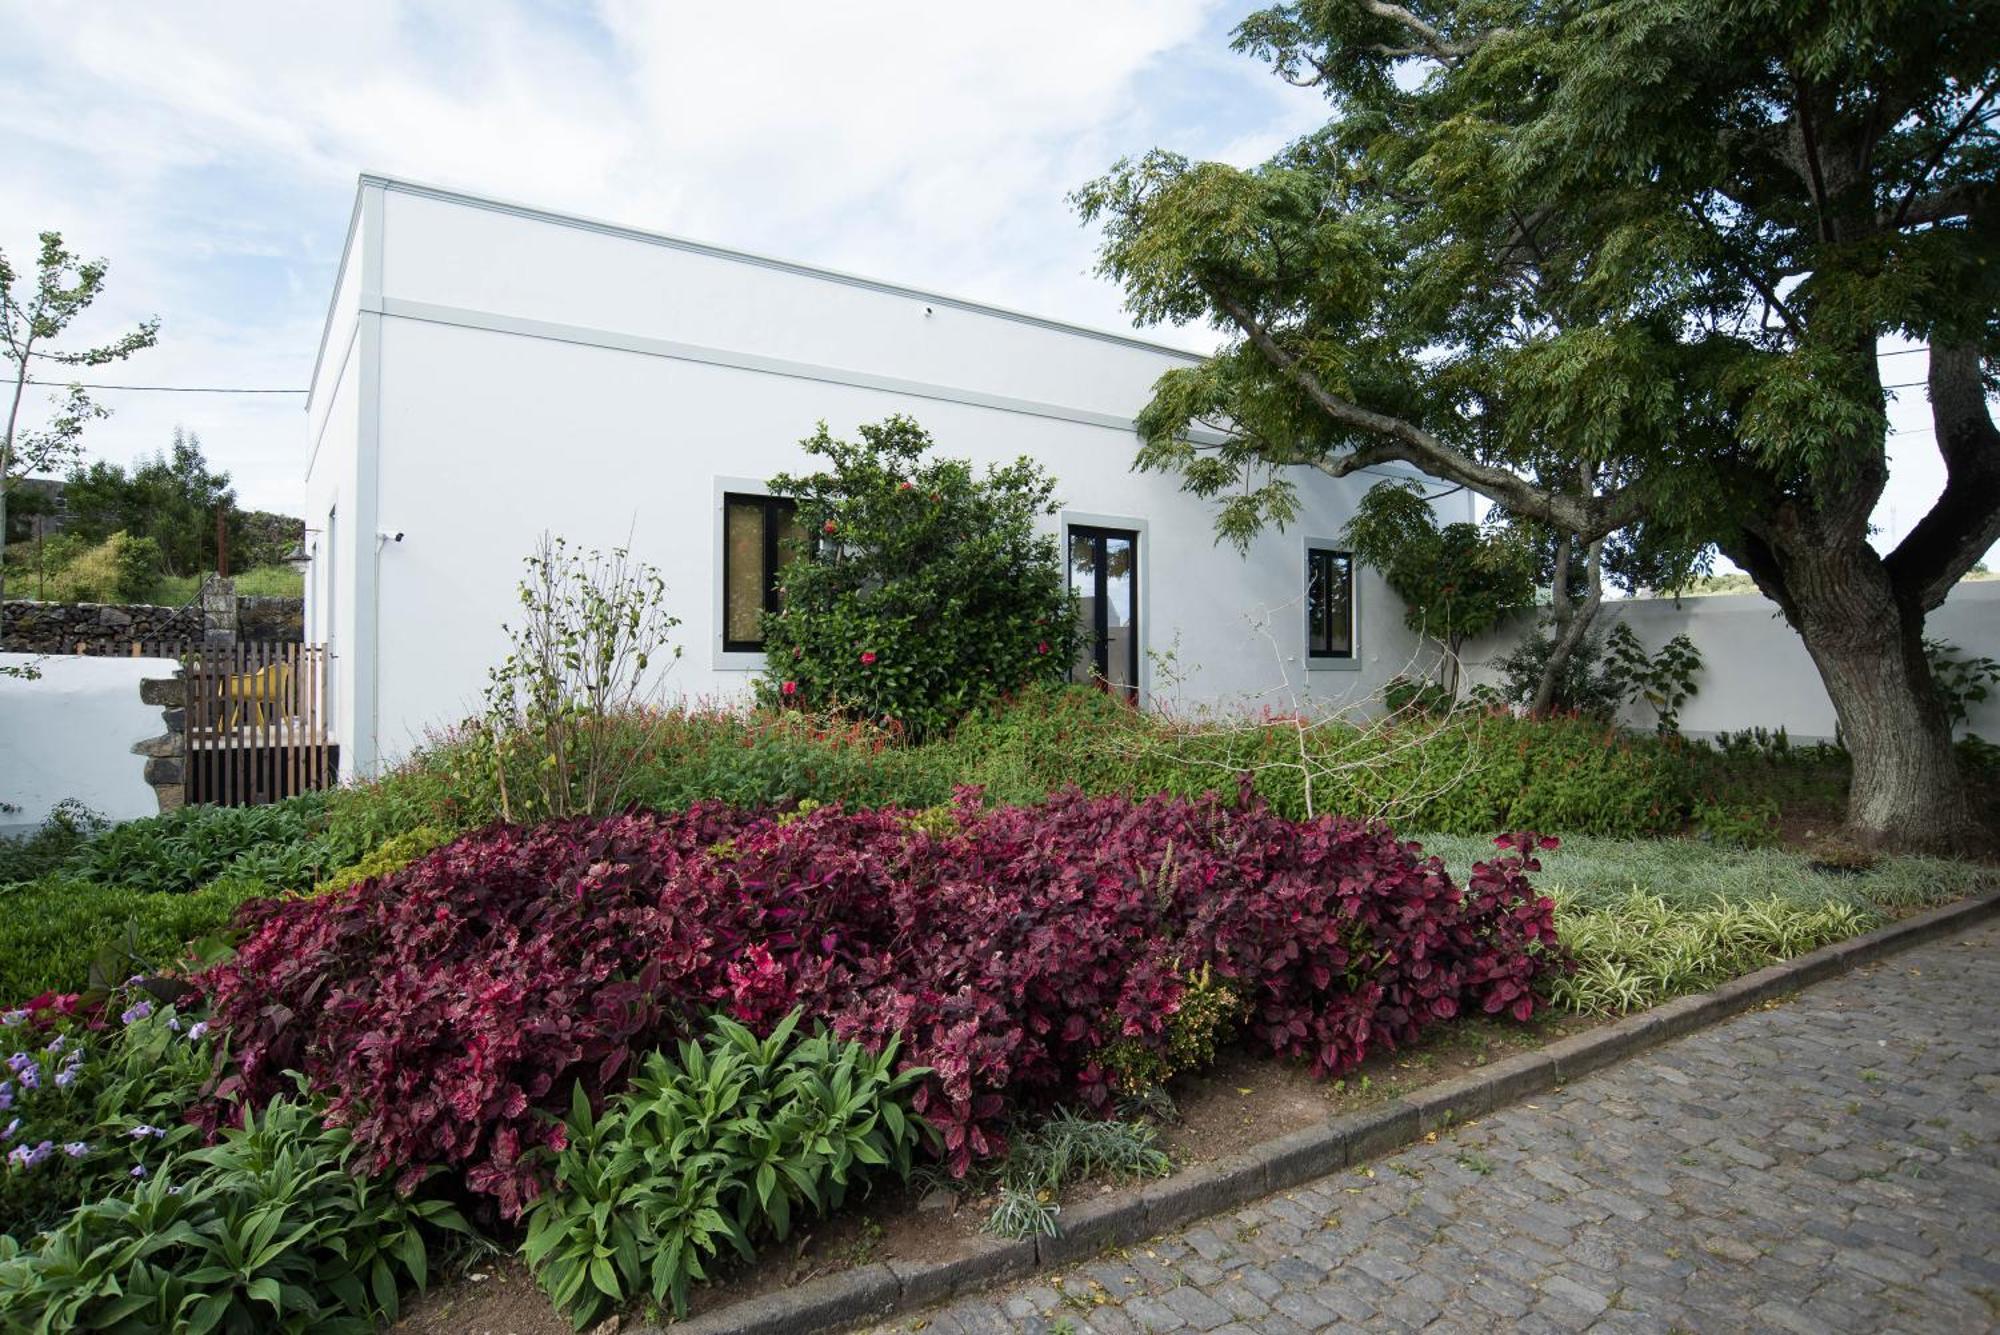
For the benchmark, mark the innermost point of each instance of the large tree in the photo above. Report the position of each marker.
(31, 322)
(1619, 262)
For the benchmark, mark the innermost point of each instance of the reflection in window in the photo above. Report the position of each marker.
(1329, 604)
(1104, 571)
(760, 537)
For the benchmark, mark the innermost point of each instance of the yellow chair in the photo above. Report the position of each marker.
(253, 690)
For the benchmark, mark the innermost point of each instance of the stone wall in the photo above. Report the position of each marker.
(67, 628)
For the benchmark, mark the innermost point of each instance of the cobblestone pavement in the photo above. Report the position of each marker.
(1831, 1163)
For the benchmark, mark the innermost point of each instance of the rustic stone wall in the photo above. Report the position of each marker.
(67, 628)
(166, 755)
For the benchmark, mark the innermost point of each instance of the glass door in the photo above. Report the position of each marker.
(1104, 571)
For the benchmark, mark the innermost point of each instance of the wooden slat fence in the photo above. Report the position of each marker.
(257, 723)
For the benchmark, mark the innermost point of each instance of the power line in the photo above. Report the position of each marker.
(1904, 352)
(165, 389)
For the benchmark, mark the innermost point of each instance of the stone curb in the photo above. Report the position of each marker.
(1095, 1225)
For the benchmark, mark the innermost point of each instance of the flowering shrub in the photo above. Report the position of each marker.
(445, 1009)
(925, 589)
(92, 1098)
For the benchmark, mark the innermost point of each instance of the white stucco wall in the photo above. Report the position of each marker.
(1757, 672)
(533, 373)
(69, 734)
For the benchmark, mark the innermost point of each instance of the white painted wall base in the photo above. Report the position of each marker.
(70, 733)
(1758, 673)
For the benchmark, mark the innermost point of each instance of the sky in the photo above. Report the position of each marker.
(209, 152)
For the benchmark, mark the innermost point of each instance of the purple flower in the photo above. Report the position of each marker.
(6, 1095)
(31, 1077)
(173, 1024)
(76, 1149)
(67, 1076)
(12, 1018)
(138, 1170)
(199, 1031)
(12, 1127)
(56, 1043)
(138, 1011)
(135, 980)
(24, 1157)
(141, 1131)
(19, 1060)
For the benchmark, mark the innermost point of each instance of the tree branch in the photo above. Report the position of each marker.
(1435, 43)
(1937, 155)
(1965, 521)
(1590, 517)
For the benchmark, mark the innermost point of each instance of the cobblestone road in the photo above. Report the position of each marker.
(1831, 1164)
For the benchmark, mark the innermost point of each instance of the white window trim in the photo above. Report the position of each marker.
(1351, 663)
(1090, 519)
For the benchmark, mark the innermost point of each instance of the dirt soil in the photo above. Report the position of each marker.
(1243, 1098)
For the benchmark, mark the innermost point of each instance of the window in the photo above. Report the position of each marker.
(760, 536)
(1329, 603)
(1104, 571)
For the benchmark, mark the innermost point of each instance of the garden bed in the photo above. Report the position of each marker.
(1243, 1099)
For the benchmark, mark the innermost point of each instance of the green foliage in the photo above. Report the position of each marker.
(105, 1104)
(1455, 581)
(260, 581)
(1206, 1017)
(1642, 950)
(68, 827)
(169, 500)
(1585, 688)
(1060, 1152)
(183, 850)
(726, 1146)
(393, 854)
(66, 568)
(266, 1230)
(59, 932)
(1752, 824)
(565, 712)
(923, 591)
(1665, 681)
(1962, 680)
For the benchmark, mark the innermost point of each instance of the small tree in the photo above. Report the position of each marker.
(570, 699)
(923, 590)
(30, 323)
(1456, 580)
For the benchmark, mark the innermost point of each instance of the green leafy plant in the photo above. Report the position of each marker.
(93, 1097)
(66, 829)
(588, 653)
(393, 854)
(725, 1147)
(62, 932)
(923, 589)
(1641, 950)
(1455, 580)
(1204, 1018)
(1060, 1152)
(1665, 681)
(184, 850)
(266, 1230)
(1962, 680)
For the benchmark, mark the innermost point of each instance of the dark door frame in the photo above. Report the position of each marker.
(1099, 535)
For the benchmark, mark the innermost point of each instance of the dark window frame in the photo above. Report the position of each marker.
(1099, 630)
(1317, 557)
(774, 508)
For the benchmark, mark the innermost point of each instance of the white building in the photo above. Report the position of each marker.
(489, 372)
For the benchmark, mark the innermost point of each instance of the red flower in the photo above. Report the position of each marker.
(798, 651)
(789, 688)
(867, 656)
(903, 486)
(829, 527)
(1042, 648)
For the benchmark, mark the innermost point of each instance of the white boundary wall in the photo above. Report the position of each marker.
(69, 734)
(1756, 671)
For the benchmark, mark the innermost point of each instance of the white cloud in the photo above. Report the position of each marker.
(209, 150)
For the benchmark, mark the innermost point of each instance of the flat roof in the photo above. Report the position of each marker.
(935, 298)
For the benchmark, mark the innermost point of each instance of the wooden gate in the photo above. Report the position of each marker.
(257, 723)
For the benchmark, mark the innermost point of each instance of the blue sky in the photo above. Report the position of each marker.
(209, 151)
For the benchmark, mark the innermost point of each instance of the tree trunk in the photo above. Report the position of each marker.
(1868, 644)
(1573, 623)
